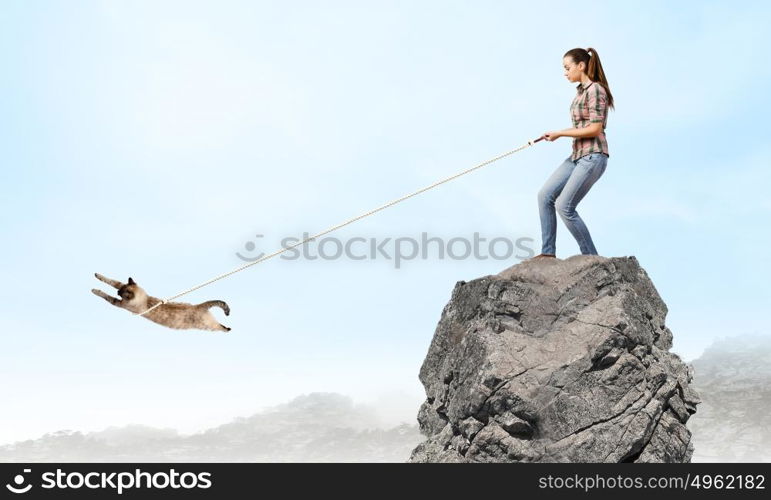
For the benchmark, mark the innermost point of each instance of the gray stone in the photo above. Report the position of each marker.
(470, 427)
(556, 361)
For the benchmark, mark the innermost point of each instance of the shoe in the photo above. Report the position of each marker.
(543, 256)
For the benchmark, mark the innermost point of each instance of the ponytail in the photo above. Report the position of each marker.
(593, 68)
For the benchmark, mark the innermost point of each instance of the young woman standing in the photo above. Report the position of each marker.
(571, 181)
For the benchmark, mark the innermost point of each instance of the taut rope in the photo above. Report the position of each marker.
(391, 203)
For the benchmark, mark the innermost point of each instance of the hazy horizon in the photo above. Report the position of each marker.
(396, 411)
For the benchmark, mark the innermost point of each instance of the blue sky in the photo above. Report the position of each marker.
(155, 139)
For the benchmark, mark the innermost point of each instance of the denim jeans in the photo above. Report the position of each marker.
(563, 190)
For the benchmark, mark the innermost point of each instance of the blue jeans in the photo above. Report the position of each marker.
(563, 190)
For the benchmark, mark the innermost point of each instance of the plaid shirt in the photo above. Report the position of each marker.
(590, 105)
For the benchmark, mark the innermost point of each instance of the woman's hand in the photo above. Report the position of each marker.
(552, 136)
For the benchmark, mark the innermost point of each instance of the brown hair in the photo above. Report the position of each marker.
(593, 68)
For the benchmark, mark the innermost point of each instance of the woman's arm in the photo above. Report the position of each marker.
(591, 130)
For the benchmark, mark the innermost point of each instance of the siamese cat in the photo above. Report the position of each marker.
(177, 315)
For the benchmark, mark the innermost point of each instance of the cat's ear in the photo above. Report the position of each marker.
(131, 281)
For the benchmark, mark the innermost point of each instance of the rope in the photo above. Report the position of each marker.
(333, 228)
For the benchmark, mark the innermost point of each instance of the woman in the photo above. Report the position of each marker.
(572, 180)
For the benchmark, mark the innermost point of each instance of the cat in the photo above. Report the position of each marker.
(178, 315)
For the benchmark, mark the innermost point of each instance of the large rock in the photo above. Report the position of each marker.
(556, 361)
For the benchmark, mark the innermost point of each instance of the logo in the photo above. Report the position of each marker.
(18, 480)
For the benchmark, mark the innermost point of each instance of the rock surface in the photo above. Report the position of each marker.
(556, 361)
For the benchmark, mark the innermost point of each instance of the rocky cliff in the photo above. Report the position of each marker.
(556, 361)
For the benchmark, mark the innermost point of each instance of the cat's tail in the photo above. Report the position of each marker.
(216, 303)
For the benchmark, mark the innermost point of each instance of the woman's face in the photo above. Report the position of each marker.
(573, 71)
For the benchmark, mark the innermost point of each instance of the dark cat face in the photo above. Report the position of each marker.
(128, 291)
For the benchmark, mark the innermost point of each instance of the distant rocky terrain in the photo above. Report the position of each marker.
(556, 361)
(318, 427)
(733, 423)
